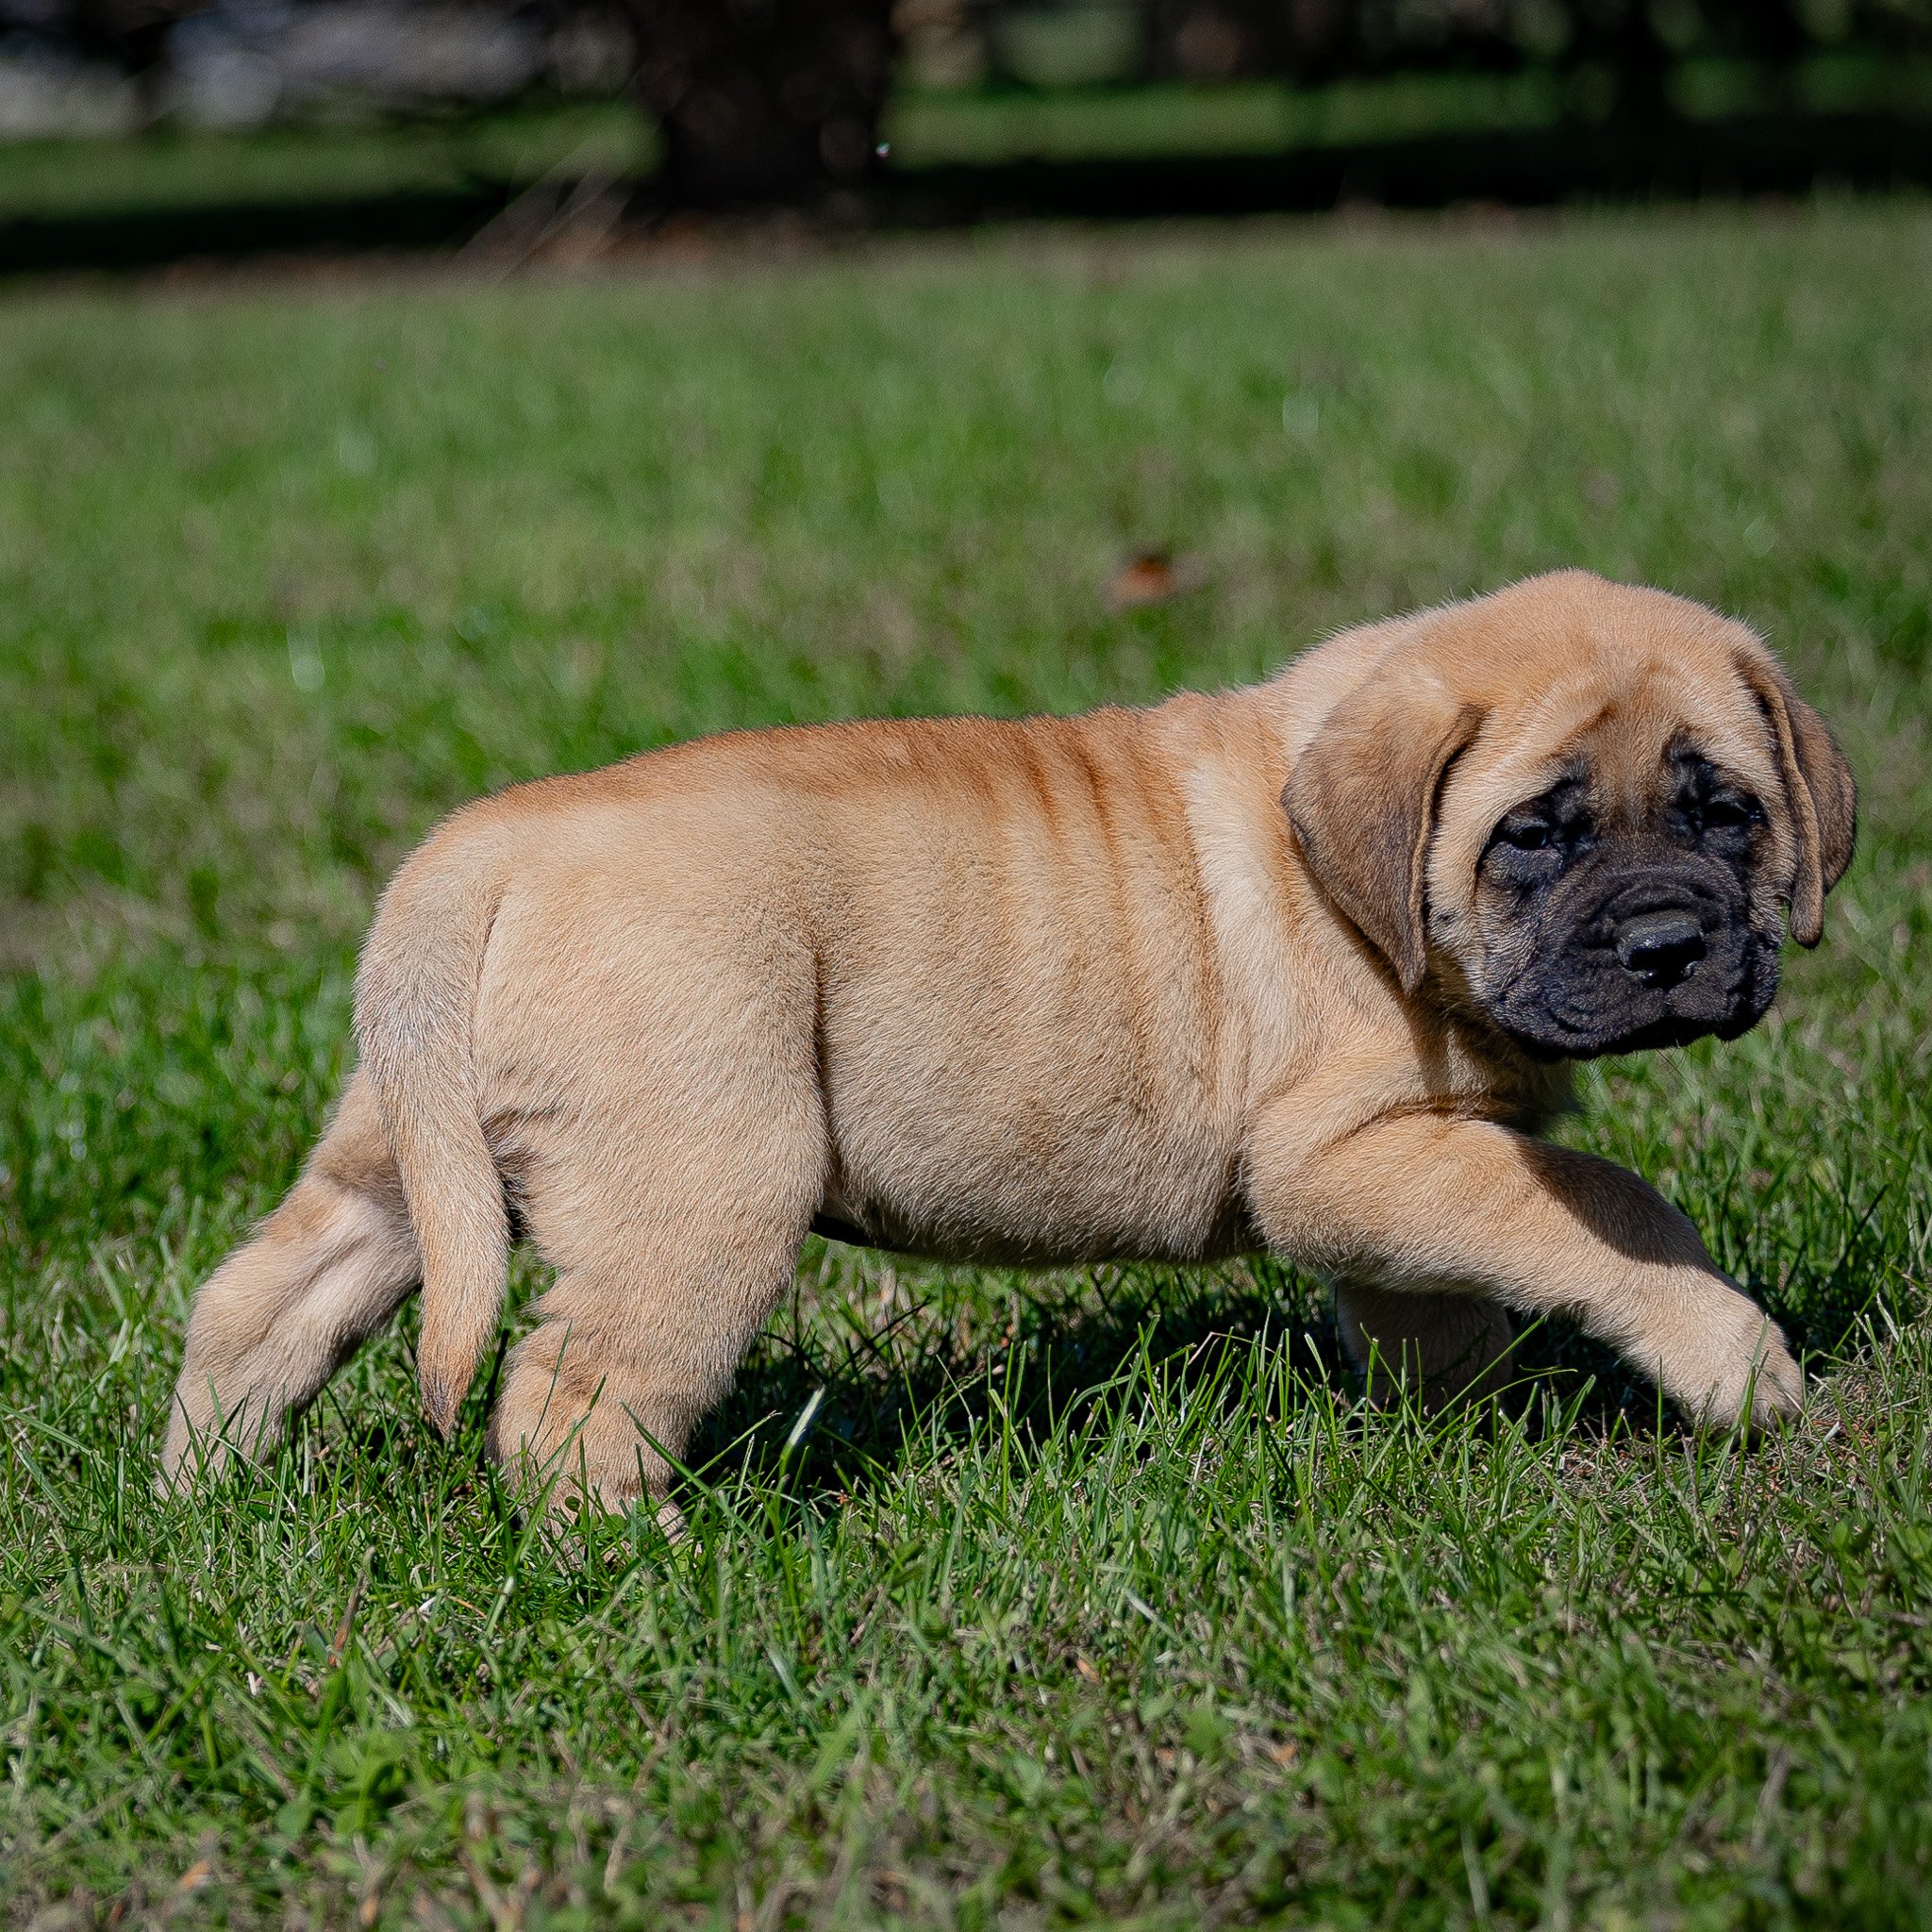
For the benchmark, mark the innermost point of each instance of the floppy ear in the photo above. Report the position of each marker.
(1818, 787)
(1362, 801)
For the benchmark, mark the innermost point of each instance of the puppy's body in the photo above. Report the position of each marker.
(1061, 990)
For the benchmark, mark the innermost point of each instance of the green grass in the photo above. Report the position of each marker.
(1089, 1597)
(929, 128)
(288, 165)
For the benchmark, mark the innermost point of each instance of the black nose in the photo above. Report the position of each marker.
(1661, 948)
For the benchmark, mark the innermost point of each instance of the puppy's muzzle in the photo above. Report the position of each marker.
(1637, 960)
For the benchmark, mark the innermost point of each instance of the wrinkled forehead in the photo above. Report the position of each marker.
(1614, 719)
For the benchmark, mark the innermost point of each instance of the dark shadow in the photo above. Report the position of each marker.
(1741, 154)
(879, 1402)
(1056, 1364)
(1524, 168)
(1616, 1208)
(233, 231)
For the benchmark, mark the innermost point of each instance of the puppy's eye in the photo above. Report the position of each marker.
(1533, 843)
(1722, 813)
(1525, 851)
(1718, 812)
(1706, 800)
(1530, 834)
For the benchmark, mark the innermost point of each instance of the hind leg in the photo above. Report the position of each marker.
(324, 1272)
(672, 1248)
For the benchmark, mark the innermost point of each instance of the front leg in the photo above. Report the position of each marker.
(1445, 1347)
(1416, 1203)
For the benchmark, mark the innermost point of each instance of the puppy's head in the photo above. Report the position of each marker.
(1586, 812)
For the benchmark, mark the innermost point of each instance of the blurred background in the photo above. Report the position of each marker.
(134, 132)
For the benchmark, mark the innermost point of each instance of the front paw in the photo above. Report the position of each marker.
(1742, 1371)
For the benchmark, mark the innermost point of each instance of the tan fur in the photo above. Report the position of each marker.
(1054, 991)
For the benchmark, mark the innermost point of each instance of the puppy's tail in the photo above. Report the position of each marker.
(415, 1008)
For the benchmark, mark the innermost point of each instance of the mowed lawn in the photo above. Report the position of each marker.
(1009, 1600)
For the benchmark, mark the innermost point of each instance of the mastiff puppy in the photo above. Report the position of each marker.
(1301, 966)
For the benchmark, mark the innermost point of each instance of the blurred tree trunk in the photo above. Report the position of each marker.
(1237, 40)
(763, 100)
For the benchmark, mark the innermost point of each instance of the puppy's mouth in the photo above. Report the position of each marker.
(1633, 962)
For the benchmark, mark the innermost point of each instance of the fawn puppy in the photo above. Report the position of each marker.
(1300, 966)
